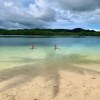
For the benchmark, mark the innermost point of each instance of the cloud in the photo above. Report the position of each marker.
(36, 15)
(79, 5)
(49, 13)
(78, 13)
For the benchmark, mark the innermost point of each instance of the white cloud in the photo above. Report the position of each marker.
(37, 14)
(48, 13)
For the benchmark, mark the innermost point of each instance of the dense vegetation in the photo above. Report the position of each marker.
(50, 32)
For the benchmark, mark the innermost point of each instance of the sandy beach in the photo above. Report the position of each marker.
(63, 85)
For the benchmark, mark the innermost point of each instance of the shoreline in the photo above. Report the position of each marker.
(46, 36)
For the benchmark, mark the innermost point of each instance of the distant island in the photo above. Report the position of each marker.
(49, 32)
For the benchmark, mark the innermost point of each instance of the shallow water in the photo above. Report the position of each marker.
(16, 52)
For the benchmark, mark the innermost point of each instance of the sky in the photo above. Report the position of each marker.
(63, 14)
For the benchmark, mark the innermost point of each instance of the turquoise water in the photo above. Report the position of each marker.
(15, 52)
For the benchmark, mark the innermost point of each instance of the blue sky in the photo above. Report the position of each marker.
(64, 14)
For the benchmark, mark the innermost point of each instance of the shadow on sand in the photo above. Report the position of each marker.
(47, 68)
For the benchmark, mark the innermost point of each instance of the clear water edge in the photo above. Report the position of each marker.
(15, 52)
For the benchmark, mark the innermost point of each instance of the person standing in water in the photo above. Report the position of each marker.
(55, 47)
(32, 46)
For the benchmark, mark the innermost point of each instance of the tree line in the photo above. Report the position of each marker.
(50, 32)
